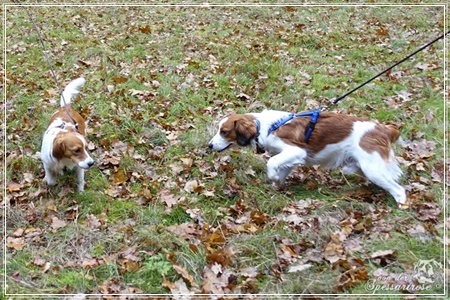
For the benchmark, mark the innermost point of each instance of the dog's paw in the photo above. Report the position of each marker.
(275, 186)
(278, 186)
(404, 205)
(49, 180)
(272, 173)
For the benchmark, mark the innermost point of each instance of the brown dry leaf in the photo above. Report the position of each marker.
(16, 243)
(222, 256)
(186, 230)
(28, 177)
(46, 267)
(179, 289)
(192, 186)
(176, 168)
(187, 161)
(382, 31)
(168, 198)
(259, 218)
(130, 254)
(128, 265)
(313, 255)
(112, 286)
(353, 245)
(217, 238)
(217, 283)
(89, 263)
(119, 176)
(185, 274)
(422, 148)
(32, 232)
(196, 215)
(56, 224)
(92, 221)
(39, 262)
(145, 29)
(50, 93)
(334, 250)
(18, 232)
(354, 273)
(250, 272)
(208, 194)
(428, 211)
(286, 255)
(71, 213)
(384, 257)
(13, 186)
(117, 80)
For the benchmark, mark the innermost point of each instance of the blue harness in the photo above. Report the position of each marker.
(314, 114)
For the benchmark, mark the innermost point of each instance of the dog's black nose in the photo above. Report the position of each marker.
(91, 163)
(210, 145)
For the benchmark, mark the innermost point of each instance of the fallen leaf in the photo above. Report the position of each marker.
(92, 221)
(179, 289)
(184, 273)
(56, 224)
(299, 268)
(39, 262)
(384, 257)
(222, 256)
(250, 272)
(168, 198)
(18, 232)
(191, 186)
(16, 243)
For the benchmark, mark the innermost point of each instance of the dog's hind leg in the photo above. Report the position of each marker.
(385, 175)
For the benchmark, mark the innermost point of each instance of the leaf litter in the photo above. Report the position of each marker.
(341, 238)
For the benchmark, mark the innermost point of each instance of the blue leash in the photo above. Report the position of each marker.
(313, 114)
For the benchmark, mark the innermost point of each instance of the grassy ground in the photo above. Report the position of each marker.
(160, 213)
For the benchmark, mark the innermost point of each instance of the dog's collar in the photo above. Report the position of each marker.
(64, 124)
(314, 114)
(259, 147)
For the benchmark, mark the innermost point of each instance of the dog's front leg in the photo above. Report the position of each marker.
(50, 175)
(280, 165)
(80, 177)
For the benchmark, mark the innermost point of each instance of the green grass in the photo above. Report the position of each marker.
(183, 73)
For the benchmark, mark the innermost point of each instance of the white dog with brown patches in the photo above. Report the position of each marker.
(327, 139)
(63, 144)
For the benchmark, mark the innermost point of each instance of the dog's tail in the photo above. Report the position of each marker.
(71, 90)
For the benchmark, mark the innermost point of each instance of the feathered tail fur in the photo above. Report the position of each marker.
(71, 90)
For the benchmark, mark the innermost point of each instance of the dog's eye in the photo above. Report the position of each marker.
(77, 151)
(223, 132)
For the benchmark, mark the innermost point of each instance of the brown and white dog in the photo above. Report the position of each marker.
(357, 145)
(63, 145)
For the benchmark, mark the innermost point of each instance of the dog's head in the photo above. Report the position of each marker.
(235, 129)
(72, 146)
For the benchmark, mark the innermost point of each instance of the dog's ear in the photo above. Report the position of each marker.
(245, 131)
(58, 149)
